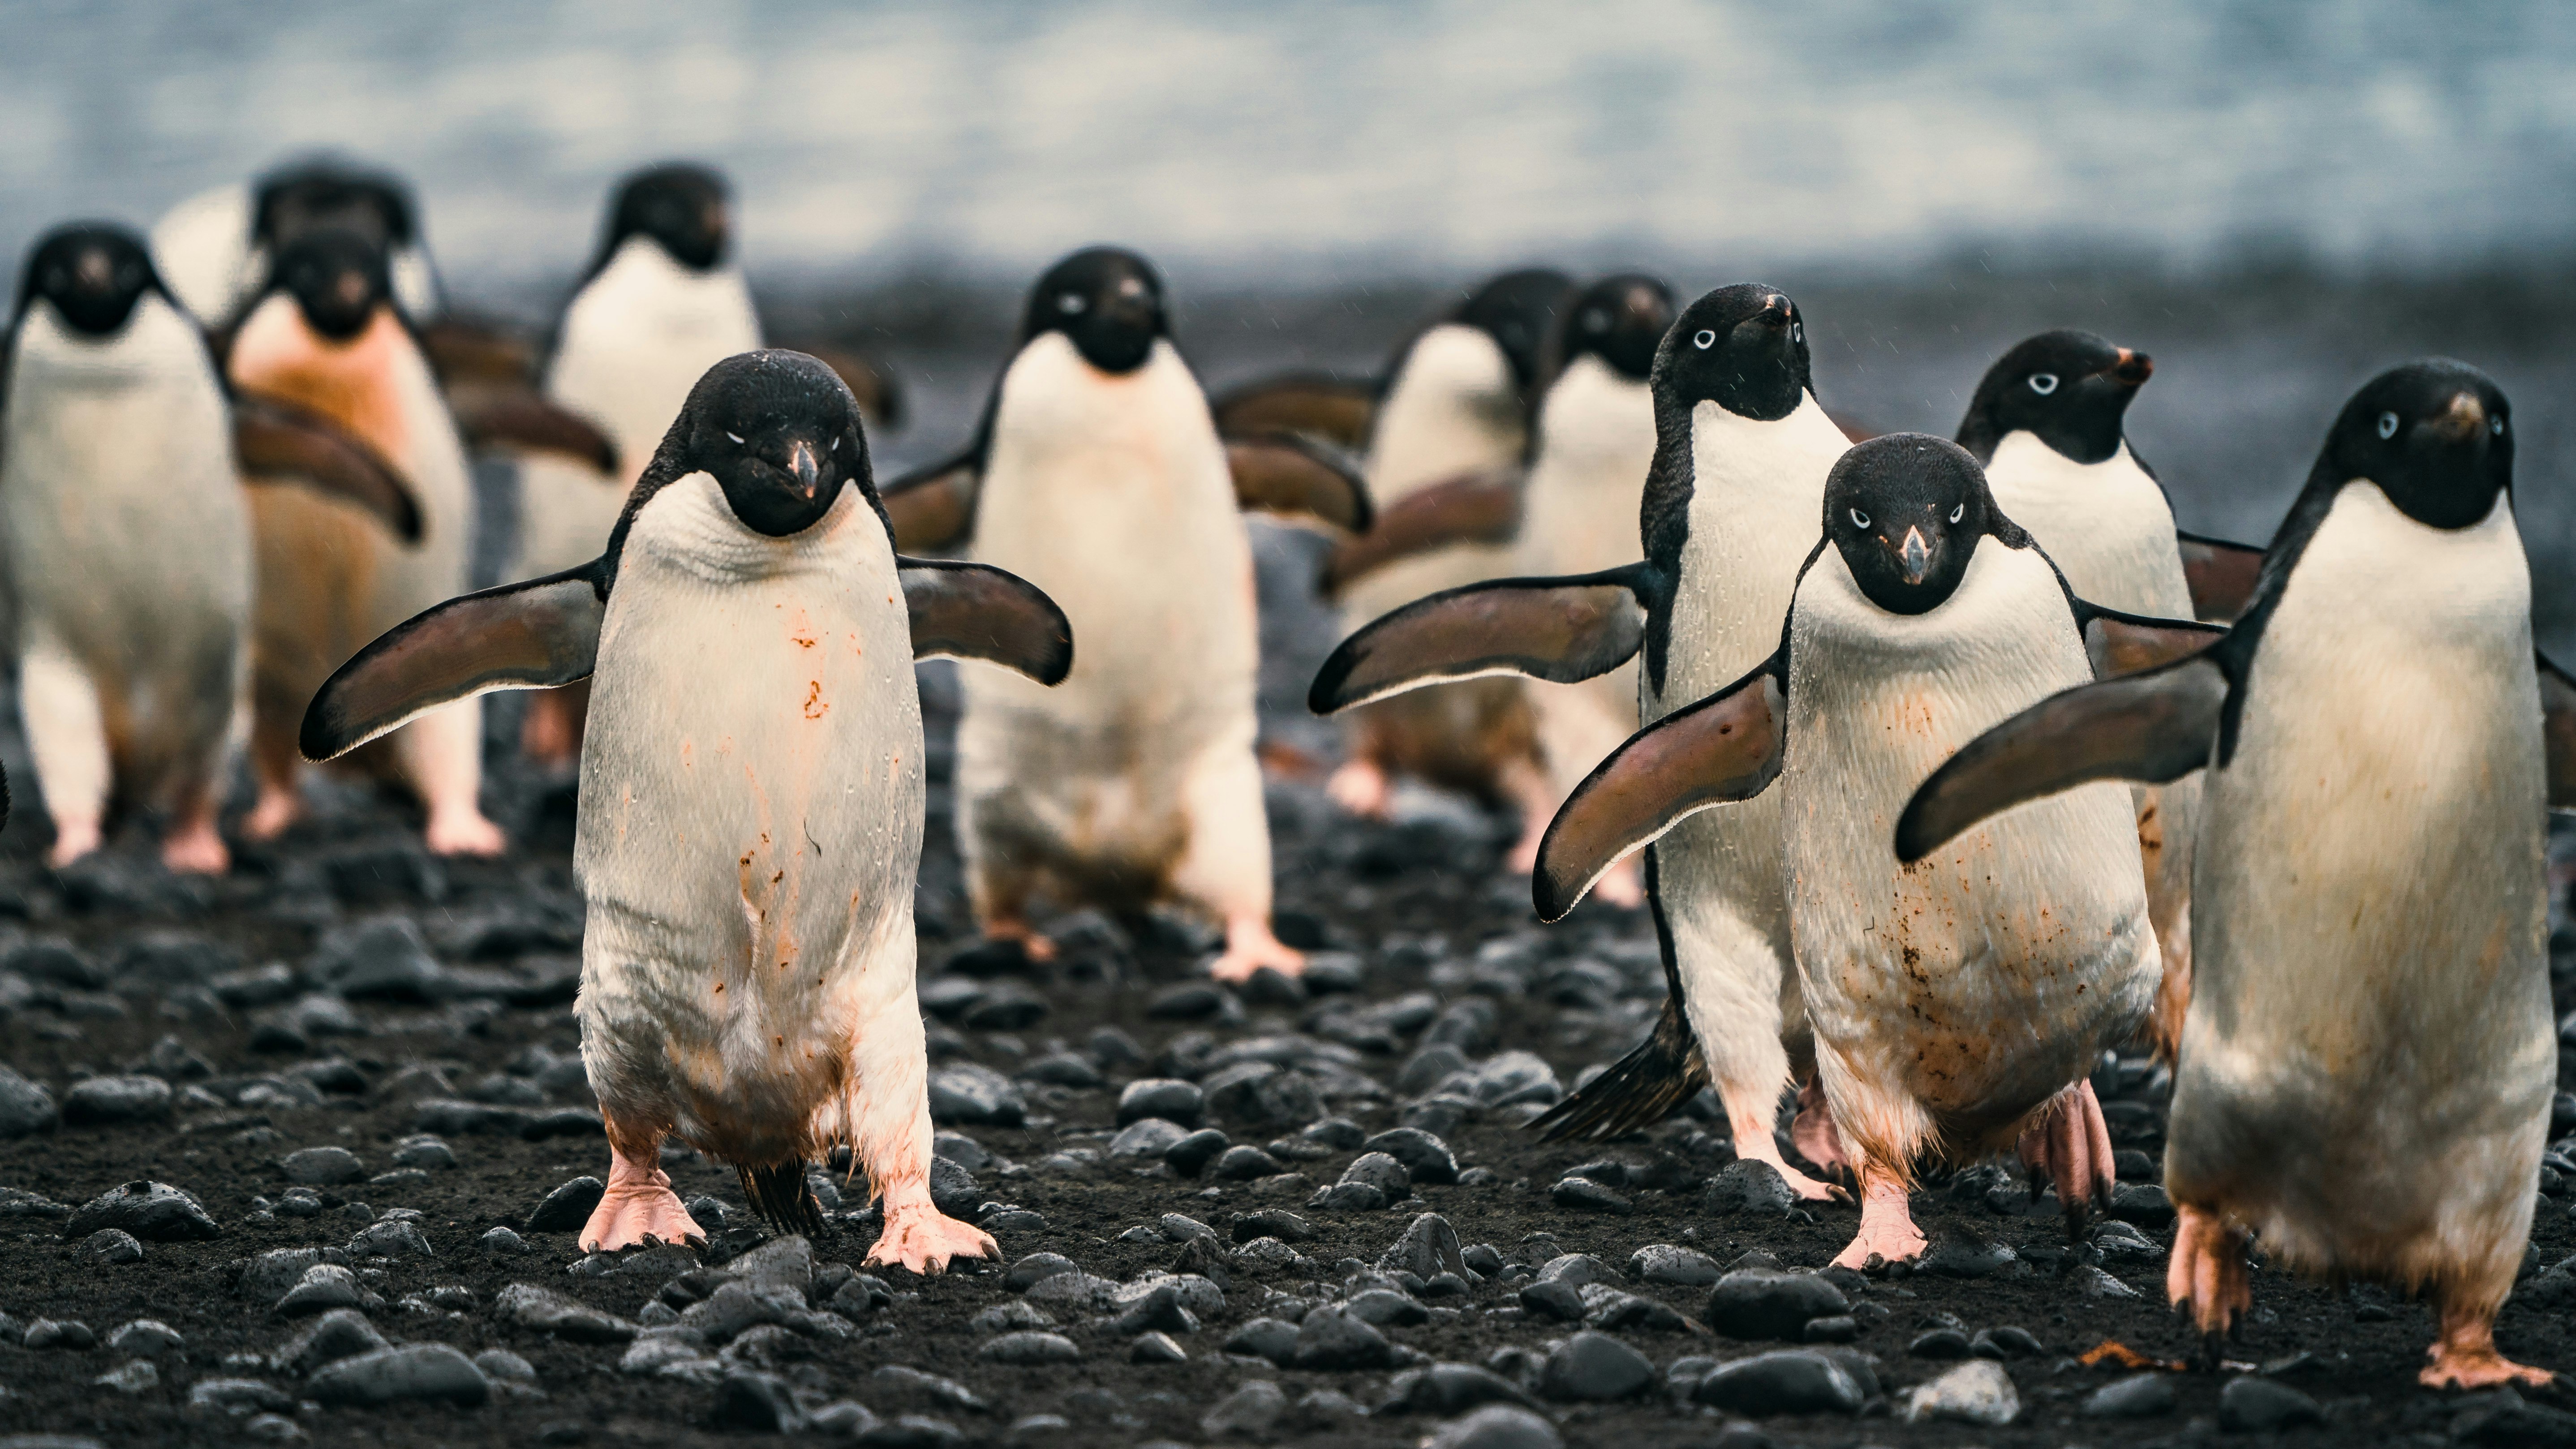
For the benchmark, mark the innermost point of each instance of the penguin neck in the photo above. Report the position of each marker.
(1453, 409)
(1592, 410)
(689, 526)
(2002, 593)
(643, 277)
(155, 345)
(357, 383)
(2106, 524)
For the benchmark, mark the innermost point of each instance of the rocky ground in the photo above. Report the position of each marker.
(299, 1155)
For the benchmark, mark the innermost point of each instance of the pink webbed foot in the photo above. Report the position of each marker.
(194, 848)
(1361, 787)
(278, 807)
(1758, 1146)
(1812, 1131)
(924, 1239)
(2465, 1356)
(72, 840)
(1887, 1232)
(639, 1205)
(2070, 1147)
(1249, 946)
(463, 832)
(2206, 1275)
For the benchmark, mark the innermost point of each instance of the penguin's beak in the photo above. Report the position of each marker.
(2131, 369)
(1917, 555)
(1775, 310)
(2462, 421)
(807, 468)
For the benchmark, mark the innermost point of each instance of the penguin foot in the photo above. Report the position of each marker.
(193, 848)
(638, 1205)
(1249, 946)
(1761, 1148)
(2069, 1148)
(277, 809)
(463, 832)
(1361, 787)
(1812, 1131)
(1000, 936)
(1523, 856)
(72, 840)
(924, 1239)
(2465, 1356)
(1887, 1231)
(2207, 1273)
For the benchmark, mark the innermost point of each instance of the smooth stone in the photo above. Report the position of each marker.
(1426, 1158)
(263, 1278)
(1380, 1171)
(1676, 1266)
(1243, 1163)
(112, 1246)
(323, 1166)
(144, 1337)
(1250, 1411)
(1450, 1388)
(2256, 1405)
(25, 1107)
(1749, 1187)
(1579, 1270)
(1497, 1426)
(114, 1101)
(1594, 1367)
(1965, 1256)
(1267, 1338)
(131, 1378)
(1261, 1094)
(1029, 1348)
(153, 1211)
(1582, 1194)
(1029, 1270)
(66, 1333)
(1159, 1311)
(338, 1334)
(1169, 1098)
(1386, 1307)
(2006, 1342)
(545, 1311)
(1156, 1348)
(395, 1238)
(1181, 1228)
(410, 1371)
(1551, 1298)
(1756, 1303)
(1273, 1223)
(1146, 1137)
(568, 1208)
(1334, 1338)
(970, 1095)
(1428, 1247)
(1783, 1381)
(502, 1243)
(1940, 1344)
(1976, 1392)
(1194, 1152)
(756, 1401)
(2139, 1396)
(323, 1287)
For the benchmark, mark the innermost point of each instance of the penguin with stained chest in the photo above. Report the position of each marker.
(662, 301)
(327, 338)
(2368, 1060)
(1958, 1003)
(1729, 512)
(127, 539)
(1099, 475)
(751, 797)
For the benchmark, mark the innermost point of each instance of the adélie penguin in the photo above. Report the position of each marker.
(2366, 1068)
(751, 796)
(1728, 516)
(1098, 475)
(127, 539)
(1958, 1003)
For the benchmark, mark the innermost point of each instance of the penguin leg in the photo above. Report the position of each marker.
(1525, 784)
(890, 1127)
(1225, 866)
(550, 733)
(2465, 1356)
(1812, 1130)
(277, 767)
(2168, 823)
(2069, 1145)
(1887, 1232)
(1733, 1002)
(2207, 1273)
(442, 754)
(58, 702)
(998, 884)
(192, 844)
(639, 1203)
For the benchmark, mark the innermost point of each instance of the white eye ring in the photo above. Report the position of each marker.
(1797, 331)
(836, 444)
(2495, 426)
(2043, 383)
(1958, 513)
(1070, 303)
(1703, 339)
(1859, 519)
(2388, 425)
(737, 437)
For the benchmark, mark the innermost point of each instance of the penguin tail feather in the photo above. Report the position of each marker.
(777, 1193)
(1641, 1089)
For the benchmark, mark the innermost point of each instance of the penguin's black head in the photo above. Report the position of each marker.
(1619, 320)
(1518, 310)
(337, 278)
(2435, 435)
(92, 272)
(326, 192)
(780, 434)
(2071, 389)
(1742, 347)
(685, 209)
(1905, 511)
(1106, 301)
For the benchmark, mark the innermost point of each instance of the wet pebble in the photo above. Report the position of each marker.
(1146, 1137)
(66, 1333)
(1582, 1194)
(144, 1337)
(323, 1287)
(1783, 1381)
(25, 1107)
(323, 1166)
(1594, 1367)
(968, 1094)
(545, 1311)
(1674, 1266)
(1426, 1158)
(1497, 1426)
(153, 1211)
(112, 1246)
(1249, 1412)
(1194, 1152)
(1156, 1348)
(1976, 1392)
(568, 1207)
(1169, 1098)
(130, 1378)
(1268, 1338)
(338, 1334)
(1029, 1349)
(2139, 1396)
(2258, 1405)
(1335, 1339)
(502, 1243)
(1757, 1303)
(1749, 1188)
(1243, 1163)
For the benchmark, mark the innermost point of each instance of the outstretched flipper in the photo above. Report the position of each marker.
(1560, 630)
(463, 350)
(1292, 473)
(2558, 732)
(1723, 749)
(2151, 728)
(976, 611)
(493, 413)
(1334, 409)
(1483, 507)
(533, 635)
(932, 507)
(2123, 644)
(278, 442)
(2221, 575)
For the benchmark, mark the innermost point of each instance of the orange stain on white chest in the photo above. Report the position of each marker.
(353, 383)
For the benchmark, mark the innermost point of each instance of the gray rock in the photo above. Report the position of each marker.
(1157, 1348)
(393, 1238)
(1146, 1137)
(543, 1311)
(2139, 1396)
(786, 1262)
(1450, 1388)
(1158, 1311)
(945, 1392)
(966, 1094)
(1381, 1172)
(568, 1207)
(1429, 1067)
(1783, 1381)
(1004, 1317)
(263, 1278)
(1386, 1308)
(1273, 1223)
(424, 1151)
(130, 1378)
(1606, 1307)
(1259, 1094)
(1754, 1303)
(1195, 1151)
(2006, 1341)
(503, 1243)
(1243, 1163)
(111, 1246)
(1497, 1426)
(1169, 1098)
(1941, 1344)
(338, 1334)
(272, 1429)
(1749, 1188)
(18, 1203)
(383, 960)
(2255, 1405)
(759, 1402)
(323, 1166)
(238, 1396)
(115, 1101)
(153, 1211)
(410, 1371)
(735, 1306)
(1582, 1194)
(1181, 1228)
(1267, 1338)
(144, 1337)
(1251, 1411)
(1594, 1367)
(1964, 1255)
(1428, 1247)
(504, 1367)
(1026, 1272)
(67, 1333)
(1334, 1339)
(2092, 1282)
(1676, 1266)
(1553, 1298)
(1030, 1348)
(323, 1287)
(1976, 1392)
(1426, 1158)
(1072, 1293)
(25, 1107)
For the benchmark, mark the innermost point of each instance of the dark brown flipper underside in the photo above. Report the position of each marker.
(1334, 409)
(1560, 630)
(1293, 474)
(533, 635)
(2221, 576)
(976, 611)
(277, 442)
(1481, 507)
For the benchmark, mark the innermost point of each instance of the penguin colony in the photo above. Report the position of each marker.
(1942, 766)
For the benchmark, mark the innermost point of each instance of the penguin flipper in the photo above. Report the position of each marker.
(2123, 644)
(2221, 575)
(1723, 749)
(1560, 630)
(462, 349)
(1481, 507)
(1293, 473)
(278, 442)
(493, 413)
(2152, 728)
(976, 611)
(532, 635)
(1643, 1088)
(1335, 409)
(932, 507)
(2558, 731)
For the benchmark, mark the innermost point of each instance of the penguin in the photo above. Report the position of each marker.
(661, 302)
(1098, 475)
(2368, 1059)
(1731, 500)
(1455, 410)
(1958, 1004)
(326, 336)
(751, 797)
(127, 539)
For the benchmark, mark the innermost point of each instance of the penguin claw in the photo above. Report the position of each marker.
(922, 1238)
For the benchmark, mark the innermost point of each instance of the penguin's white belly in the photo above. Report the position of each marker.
(1978, 983)
(437, 569)
(1111, 494)
(1454, 409)
(2367, 1066)
(751, 818)
(2106, 524)
(1597, 439)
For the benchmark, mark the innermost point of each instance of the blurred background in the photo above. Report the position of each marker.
(2276, 201)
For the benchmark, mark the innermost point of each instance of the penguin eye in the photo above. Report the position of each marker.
(1703, 339)
(2043, 383)
(2495, 426)
(737, 439)
(1797, 331)
(1859, 519)
(2388, 425)
(1958, 513)
(836, 443)
(1071, 303)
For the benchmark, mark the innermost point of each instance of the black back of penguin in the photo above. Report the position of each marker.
(2070, 389)
(92, 273)
(1107, 301)
(1906, 511)
(686, 209)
